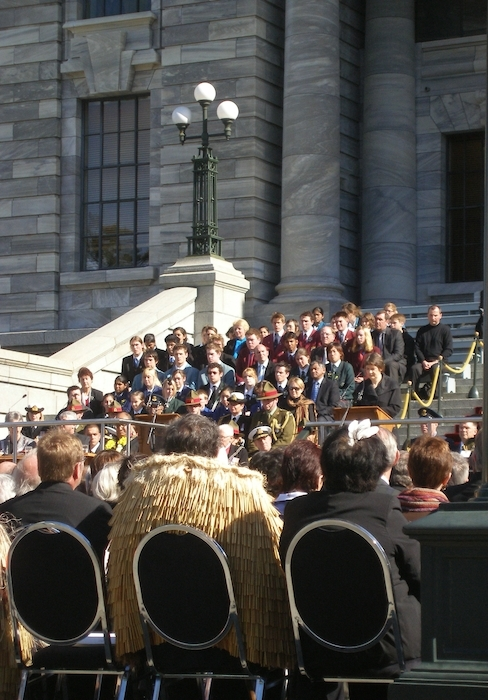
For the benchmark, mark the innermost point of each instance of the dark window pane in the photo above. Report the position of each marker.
(127, 115)
(93, 118)
(142, 181)
(93, 152)
(110, 149)
(448, 19)
(126, 251)
(109, 227)
(142, 253)
(92, 186)
(465, 207)
(126, 217)
(109, 253)
(127, 186)
(143, 147)
(143, 216)
(105, 8)
(110, 116)
(109, 184)
(91, 254)
(127, 145)
(456, 188)
(92, 220)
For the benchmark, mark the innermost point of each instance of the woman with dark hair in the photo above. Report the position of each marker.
(352, 461)
(377, 389)
(301, 472)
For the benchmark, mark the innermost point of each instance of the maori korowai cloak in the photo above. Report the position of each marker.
(230, 504)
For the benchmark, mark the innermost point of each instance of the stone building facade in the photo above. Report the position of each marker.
(334, 185)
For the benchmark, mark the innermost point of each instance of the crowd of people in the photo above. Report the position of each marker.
(249, 402)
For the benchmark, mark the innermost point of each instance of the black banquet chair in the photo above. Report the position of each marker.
(56, 592)
(339, 614)
(185, 594)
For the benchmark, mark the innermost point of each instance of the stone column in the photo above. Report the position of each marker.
(311, 157)
(389, 158)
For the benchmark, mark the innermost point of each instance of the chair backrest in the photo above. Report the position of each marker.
(55, 585)
(184, 589)
(340, 588)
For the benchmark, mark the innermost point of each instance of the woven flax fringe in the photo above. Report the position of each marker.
(228, 504)
(9, 673)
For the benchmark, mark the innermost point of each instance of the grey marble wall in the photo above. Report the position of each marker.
(450, 98)
(238, 47)
(30, 111)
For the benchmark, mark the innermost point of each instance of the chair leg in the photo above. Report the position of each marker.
(206, 687)
(23, 684)
(259, 689)
(157, 689)
(98, 686)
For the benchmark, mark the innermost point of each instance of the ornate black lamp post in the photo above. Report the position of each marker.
(205, 239)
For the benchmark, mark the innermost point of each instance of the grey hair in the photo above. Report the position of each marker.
(105, 484)
(7, 487)
(389, 441)
(13, 417)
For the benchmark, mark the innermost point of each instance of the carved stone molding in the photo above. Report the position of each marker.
(104, 52)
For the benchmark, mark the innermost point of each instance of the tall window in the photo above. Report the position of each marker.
(104, 8)
(447, 19)
(465, 186)
(116, 184)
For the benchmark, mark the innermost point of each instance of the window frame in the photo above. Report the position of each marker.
(135, 244)
(110, 8)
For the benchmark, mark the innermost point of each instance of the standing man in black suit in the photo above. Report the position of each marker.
(60, 463)
(264, 367)
(390, 342)
(397, 322)
(132, 364)
(324, 392)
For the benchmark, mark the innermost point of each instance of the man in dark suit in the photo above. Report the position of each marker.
(397, 322)
(60, 463)
(132, 364)
(390, 342)
(324, 392)
(264, 367)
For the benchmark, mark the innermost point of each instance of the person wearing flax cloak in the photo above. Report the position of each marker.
(9, 673)
(229, 503)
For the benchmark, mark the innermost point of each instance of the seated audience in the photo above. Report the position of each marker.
(7, 487)
(231, 445)
(137, 403)
(150, 383)
(352, 460)
(105, 485)
(430, 467)
(26, 473)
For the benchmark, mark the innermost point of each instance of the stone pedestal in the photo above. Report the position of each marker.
(221, 289)
(389, 155)
(454, 545)
(310, 218)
